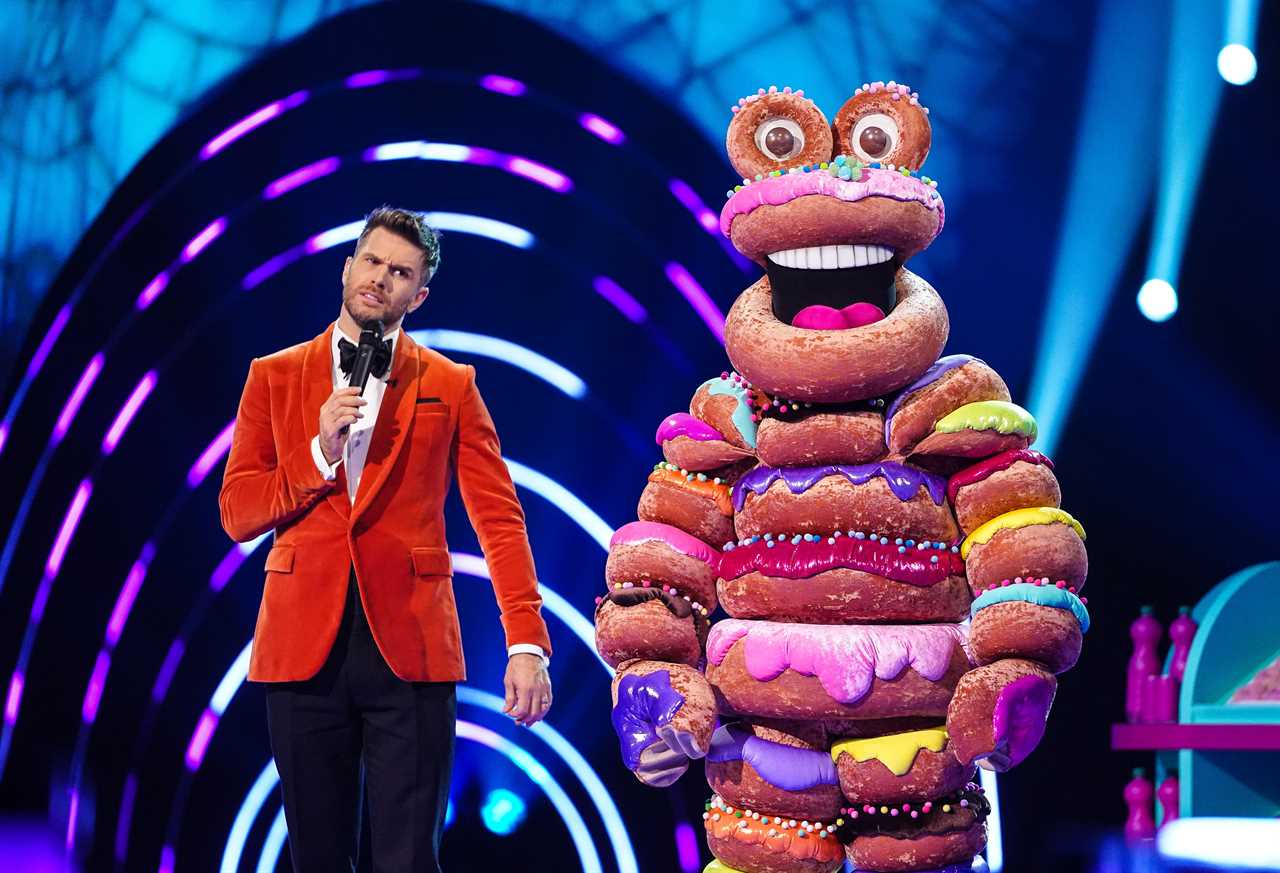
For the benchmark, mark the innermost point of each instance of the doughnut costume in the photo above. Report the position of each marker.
(900, 582)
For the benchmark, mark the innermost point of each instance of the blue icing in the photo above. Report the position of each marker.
(1041, 595)
(742, 414)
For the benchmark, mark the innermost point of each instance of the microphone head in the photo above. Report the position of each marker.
(372, 333)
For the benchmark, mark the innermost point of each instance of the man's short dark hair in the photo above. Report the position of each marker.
(408, 225)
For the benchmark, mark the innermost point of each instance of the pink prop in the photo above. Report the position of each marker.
(1145, 661)
(1182, 631)
(1138, 795)
(1167, 794)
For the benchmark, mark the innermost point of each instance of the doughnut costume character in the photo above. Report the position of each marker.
(901, 583)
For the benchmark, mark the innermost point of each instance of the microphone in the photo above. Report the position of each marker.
(370, 340)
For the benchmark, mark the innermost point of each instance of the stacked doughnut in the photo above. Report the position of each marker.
(900, 583)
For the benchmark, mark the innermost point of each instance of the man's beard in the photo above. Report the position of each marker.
(366, 322)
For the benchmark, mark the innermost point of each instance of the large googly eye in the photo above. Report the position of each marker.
(779, 138)
(874, 137)
(776, 131)
(883, 122)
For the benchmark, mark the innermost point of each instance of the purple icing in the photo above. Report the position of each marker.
(931, 375)
(903, 481)
(644, 703)
(1021, 710)
(684, 424)
(784, 767)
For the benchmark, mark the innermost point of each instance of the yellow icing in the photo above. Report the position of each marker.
(718, 866)
(896, 751)
(997, 415)
(1015, 519)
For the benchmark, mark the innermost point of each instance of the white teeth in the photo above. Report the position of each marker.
(832, 257)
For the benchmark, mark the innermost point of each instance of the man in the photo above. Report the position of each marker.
(357, 634)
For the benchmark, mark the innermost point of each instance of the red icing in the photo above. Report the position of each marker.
(993, 464)
(804, 559)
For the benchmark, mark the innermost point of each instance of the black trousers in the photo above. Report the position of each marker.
(356, 727)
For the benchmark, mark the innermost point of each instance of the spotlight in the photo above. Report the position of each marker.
(1157, 300)
(1237, 64)
(503, 811)
(448, 814)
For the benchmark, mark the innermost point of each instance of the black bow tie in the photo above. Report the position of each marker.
(381, 358)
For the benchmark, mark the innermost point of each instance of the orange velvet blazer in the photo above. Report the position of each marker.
(432, 425)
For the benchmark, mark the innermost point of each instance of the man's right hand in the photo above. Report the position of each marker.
(338, 413)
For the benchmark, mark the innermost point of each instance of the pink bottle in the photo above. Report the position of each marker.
(1145, 632)
(1182, 631)
(1167, 794)
(1139, 794)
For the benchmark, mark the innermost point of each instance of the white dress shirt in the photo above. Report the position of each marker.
(356, 449)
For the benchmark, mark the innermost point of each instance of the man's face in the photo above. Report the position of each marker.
(383, 280)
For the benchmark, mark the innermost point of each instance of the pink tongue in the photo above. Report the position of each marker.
(828, 318)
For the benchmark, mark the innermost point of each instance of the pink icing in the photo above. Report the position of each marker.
(643, 531)
(684, 424)
(1021, 710)
(776, 190)
(845, 658)
(818, 317)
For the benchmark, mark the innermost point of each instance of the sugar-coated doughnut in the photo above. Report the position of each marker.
(952, 831)
(1015, 479)
(905, 767)
(978, 430)
(821, 437)
(662, 554)
(782, 766)
(799, 671)
(776, 130)
(663, 714)
(952, 382)
(860, 497)
(1027, 543)
(763, 841)
(1037, 620)
(697, 504)
(695, 445)
(725, 404)
(639, 622)
(884, 122)
(998, 714)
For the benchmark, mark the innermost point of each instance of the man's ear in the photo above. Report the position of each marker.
(346, 270)
(419, 298)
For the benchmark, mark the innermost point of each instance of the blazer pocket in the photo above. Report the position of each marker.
(280, 559)
(431, 561)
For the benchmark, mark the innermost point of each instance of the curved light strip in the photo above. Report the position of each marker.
(600, 796)
(504, 350)
(563, 499)
(588, 857)
(698, 298)
(248, 123)
(474, 565)
(421, 149)
(248, 812)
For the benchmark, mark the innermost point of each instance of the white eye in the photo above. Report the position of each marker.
(874, 137)
(779, 138)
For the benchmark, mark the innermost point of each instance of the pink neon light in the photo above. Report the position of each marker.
(300, 177)
(200, 739)
(244, 125)
(216, 451)
(698, 298)
(93, 696)
(540, 173)
(202, 239)
(601, 128)
(124, 603)
(77, 396)
(127, 412)
(503, 85)
(153, 290)
(68, 530)
(15, 697)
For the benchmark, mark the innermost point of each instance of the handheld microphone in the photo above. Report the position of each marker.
(370, 340)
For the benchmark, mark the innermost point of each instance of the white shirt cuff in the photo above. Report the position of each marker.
(528, 649)
(327, 470)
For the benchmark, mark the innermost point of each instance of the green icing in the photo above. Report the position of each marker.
(742, 414)
(997, 415)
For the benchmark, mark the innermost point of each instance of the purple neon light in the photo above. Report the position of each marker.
(202, 239)
(71, 818)
(93, 696)
(601, 128)
(503, 85)
(200, 739)
(687, 848)
(126, 816)
(167, 669)
(691, 201)
(270, 267)
(15, 697)
(68, 530)
(244, 125)
(621, 300)
(300, 177)
(216, 451)
(129, 593)
(4, 435)
(540, 173)
(77, 396)
(41, 599)
(127, 412)
(153, 290)
(699, 299)
(369, 78)
(226, 568)
(50, 337)
(167, 859)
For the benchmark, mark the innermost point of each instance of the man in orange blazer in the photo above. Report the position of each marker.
(357, 635)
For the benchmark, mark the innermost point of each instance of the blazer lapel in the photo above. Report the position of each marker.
(395, 418)
(317, 385)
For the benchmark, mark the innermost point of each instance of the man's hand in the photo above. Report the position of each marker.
(528, 687)
(338, 413)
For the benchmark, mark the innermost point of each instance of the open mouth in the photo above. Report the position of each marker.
(834, 287)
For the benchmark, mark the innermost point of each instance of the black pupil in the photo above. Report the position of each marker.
(874, 142)
(779, 141)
